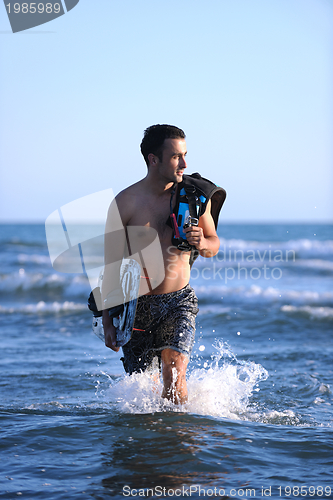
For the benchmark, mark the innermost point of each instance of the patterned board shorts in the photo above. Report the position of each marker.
(168, 321)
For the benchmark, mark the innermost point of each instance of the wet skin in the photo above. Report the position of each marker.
(147, 203)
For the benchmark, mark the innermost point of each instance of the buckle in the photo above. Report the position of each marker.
(190, 221)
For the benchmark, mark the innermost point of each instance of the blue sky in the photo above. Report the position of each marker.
(250, 82)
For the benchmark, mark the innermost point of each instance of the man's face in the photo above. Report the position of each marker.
(173, 160)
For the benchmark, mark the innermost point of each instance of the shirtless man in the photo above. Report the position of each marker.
(170, 335)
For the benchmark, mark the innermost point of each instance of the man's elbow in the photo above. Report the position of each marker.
(213, 247)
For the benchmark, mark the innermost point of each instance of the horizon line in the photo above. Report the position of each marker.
(221, 222)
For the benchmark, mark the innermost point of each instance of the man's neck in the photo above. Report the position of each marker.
(157, 185)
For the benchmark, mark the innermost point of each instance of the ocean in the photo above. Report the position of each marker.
(259, 418)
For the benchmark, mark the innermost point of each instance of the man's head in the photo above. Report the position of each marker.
(154, 137)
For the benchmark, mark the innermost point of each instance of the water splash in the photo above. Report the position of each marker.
(221, 388)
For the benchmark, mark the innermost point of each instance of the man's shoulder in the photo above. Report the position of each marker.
(129, 194)
(128, 199)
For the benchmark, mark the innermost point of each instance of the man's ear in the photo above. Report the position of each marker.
(153, 159)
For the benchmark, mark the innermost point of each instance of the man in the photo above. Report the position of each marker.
(165, 318)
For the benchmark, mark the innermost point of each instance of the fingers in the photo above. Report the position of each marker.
(193, 230)
(194, 235)
(110, 338)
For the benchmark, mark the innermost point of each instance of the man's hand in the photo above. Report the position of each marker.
(203, 237)
(195, 237)
(109, 332)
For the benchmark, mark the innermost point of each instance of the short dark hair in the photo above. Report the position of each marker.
(154, 137)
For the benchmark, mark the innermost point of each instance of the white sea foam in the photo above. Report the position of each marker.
(285, 417)
(222, 389)
(304, 246)
(22, 281)
(44, 308)
(256, 293)
(325, 313)
(39, 259)
(213, 309)
(237, 262)
(315, 264)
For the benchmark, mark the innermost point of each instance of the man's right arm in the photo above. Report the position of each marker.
(114, 249)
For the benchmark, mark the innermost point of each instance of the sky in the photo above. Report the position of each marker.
(249, 81)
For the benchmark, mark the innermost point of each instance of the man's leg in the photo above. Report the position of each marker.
(174, 366)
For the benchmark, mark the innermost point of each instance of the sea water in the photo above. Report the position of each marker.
(258, 422)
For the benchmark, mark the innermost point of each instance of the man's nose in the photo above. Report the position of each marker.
(183, 162)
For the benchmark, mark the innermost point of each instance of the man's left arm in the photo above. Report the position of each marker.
(204, 236)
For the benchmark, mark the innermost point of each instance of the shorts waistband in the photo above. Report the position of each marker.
(150, 298)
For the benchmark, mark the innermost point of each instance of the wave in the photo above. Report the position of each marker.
(41, 259)
(214, 309)
(319, 313)
(17, 242)
(45, 308)
(301, 247)
(21, 281)
(212, 265)
(231, 250)
(256, 293)
(71, 286)
(315, 264)
(38, 259)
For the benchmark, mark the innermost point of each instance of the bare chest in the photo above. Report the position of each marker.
(153, 213)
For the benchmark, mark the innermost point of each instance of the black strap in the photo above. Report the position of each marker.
(173, 190)
(192, 200)
(194, 212)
